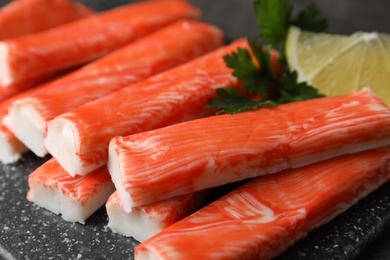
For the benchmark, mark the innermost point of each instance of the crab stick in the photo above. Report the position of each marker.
(87, 39)
(75, 198)
(19, 18)
(80, 143)
(208, 152)
(146, 221)
(154, 53)
(265, 216)
(11, 149)
(25, 17)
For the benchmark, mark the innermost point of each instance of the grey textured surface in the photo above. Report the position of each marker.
(29, 232)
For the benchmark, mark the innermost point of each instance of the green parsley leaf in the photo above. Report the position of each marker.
(273, 18)
(311, 19)
(242, 64)
(292, 90)
(256, 81)
(232, 102)
(259, 80)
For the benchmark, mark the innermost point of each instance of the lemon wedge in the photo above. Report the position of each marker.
(338, 64)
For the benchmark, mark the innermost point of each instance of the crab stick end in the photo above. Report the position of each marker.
(134, 224)
(59, 141)
(23, 123)
(114, 169)
(5, 72)
(70, 208)
(10, 152)
(52, 200)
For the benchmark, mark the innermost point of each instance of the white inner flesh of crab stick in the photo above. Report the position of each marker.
(75, 199)
(134, 224)
(62, 130)
(113, 169)
(27, 130)
(10, 152)
(5, 76)
(146, 221)
(54, 201)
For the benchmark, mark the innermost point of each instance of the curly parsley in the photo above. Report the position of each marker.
(273, 18)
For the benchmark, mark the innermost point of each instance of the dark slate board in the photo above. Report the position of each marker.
(30, 232)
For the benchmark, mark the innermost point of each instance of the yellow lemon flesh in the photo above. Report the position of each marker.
(337, 64)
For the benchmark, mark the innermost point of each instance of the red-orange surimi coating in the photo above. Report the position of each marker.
(136, 61)
(170, 97)
(50, 175)
(20, 18)
(207, 152)
(153, 53)
(265, 216)
(87, 39)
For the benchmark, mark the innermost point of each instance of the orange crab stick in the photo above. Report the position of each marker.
(208, 152)
(146, 221)
(265, 216)
(24, 17)
(79, 142)
(75, 198)
(29, 16)
(153, 53)
(87, 39)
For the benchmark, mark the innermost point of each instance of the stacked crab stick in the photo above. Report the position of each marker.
(28, 116)
(75, 198)
(25, 17)
(84, 40)
(80, 143)
(20, 18)
(146, 221)
(11, 148)
(265, 216)
(203, 153)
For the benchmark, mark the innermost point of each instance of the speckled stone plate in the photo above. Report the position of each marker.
(30, 232)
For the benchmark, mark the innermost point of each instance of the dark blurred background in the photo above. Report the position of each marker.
(236, 17)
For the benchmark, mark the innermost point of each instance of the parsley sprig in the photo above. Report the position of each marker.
(274, 18)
